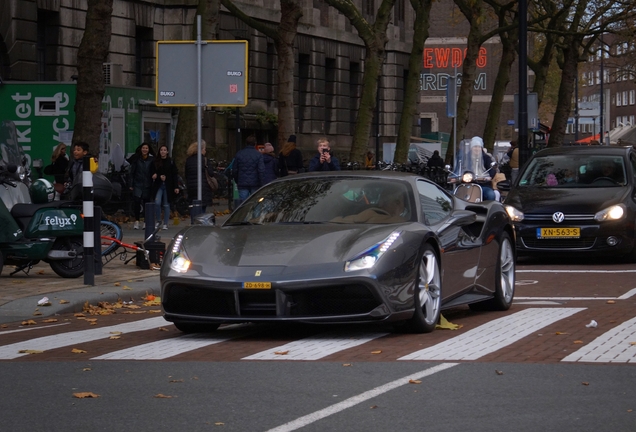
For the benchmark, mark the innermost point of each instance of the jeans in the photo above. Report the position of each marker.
(161, 200)
(488, 193)
(244, 193)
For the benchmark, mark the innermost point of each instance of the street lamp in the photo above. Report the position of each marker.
(524, 151)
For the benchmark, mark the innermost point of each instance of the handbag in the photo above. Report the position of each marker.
(212, 182)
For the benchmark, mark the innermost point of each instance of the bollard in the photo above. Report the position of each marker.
(195, 210)
(98, 240)
(88, 211)
(149, 219)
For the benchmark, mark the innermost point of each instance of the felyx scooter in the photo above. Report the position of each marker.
(43, 230)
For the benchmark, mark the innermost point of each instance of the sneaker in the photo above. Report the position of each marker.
(136, 225)
(143, 226)
(156, 225)
(165, 226)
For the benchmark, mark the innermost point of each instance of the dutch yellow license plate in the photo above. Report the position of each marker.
(257, 285)
(557, 233)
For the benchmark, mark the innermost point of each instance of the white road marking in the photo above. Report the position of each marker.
(355, 400)
(494, 335)
(316, 347)
(614, 346)
(167, 348)
(44, 343)
(625, 296)
(575, 271)
(32, 328)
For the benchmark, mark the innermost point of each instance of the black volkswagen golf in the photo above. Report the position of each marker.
(576, 201)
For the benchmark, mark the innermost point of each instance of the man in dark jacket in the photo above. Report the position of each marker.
(324, 160)
(435, 161)
(248, 169)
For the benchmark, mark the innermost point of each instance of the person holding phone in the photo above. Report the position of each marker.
(324, 160)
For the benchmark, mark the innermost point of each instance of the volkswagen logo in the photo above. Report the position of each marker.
(558, 217)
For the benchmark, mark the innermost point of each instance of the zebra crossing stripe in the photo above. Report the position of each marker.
(61, 340)
(167, 348)
(614, 346)
(316, 347)
(494, 335)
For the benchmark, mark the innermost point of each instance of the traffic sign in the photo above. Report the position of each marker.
(223, 73)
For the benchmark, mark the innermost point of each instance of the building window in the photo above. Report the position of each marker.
(399, 11)
(144, 57)
(354, 93)
(47, 44)
(625, 98)
(631, 120)
(632, 97)
(618, 99)
(598, 77)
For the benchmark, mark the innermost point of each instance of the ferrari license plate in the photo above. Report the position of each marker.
(557, 233)
(257, 285)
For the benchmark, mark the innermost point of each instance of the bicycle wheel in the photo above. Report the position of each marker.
(113, 230)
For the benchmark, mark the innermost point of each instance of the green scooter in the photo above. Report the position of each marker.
(44, 230)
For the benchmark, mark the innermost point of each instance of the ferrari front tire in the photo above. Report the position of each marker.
(428, 293)
(187, 327)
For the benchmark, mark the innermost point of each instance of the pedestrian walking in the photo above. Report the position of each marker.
(164, 185)
(140, 181)
(271, 163)
(290, 159)
(191, 175)
(248, 169)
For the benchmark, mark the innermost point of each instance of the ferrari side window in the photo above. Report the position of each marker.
(436, 205)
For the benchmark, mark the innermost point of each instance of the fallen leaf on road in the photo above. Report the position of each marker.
(30, 351)
(163, 329)
(126, 287)
(611, 302)
(86, 369)
(37, 313)
(116, 332)
(29, 322)
(347, 364)
(281, 352)
(84, 395)
(115, 337)
(632, 343)
(41, 272)
(578, 342)
(154, 311)
(412, 381)
(91, 319)
(560, 333)
(134, 312)
(78, 351)
(79, 315)
(585, 383)
(499, 372)
(162, 396)
(373, 406)
(117, 284)
(4, 326)
(219, 424)
(376, 352)
(176, 381)
(131, 306)
(64, 302)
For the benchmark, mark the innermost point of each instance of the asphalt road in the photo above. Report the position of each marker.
(539, 365)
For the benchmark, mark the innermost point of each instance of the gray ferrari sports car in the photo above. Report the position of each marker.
(341, 247)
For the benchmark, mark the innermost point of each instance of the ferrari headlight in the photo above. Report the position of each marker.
(614, 212)
(180, 262)
(468, 177)
(515, 215)
(368, 258)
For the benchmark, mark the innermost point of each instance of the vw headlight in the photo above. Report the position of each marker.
(468, 177)
(368, 258)
(614, 212)
(515, 215)
(180, 262)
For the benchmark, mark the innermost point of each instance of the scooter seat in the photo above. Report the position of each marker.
(27, 210)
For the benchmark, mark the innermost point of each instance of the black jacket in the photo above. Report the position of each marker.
(191, 180)
(271, 167)
(292, 162)
(169, 169)
(248, 169)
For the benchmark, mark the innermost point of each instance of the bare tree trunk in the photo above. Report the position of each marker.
(566, 90)
(508, 55)
(92, 53)
(186, 132)
(375, 40)
(283, 37)
(411, 92)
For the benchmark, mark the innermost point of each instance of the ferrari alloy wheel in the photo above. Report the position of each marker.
(504, 279)
(187, 327)
(428, 293)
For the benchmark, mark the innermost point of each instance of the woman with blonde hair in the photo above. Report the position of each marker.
(191, 170)
(290, 159)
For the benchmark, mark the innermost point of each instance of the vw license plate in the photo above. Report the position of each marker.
(257, 285)
(556, 233)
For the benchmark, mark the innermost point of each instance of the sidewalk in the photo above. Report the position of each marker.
(20, 293)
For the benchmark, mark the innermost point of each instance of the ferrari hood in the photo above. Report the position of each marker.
(280, 245)
(566, 200)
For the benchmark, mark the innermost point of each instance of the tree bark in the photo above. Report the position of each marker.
(91, 55)
(375, 39)
(411, 92)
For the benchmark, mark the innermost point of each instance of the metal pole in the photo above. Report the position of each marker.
(377, 127)
(576, 108)
(524, 150)
(198, 203)
(602, 139)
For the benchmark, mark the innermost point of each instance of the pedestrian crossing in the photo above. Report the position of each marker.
(615, 345)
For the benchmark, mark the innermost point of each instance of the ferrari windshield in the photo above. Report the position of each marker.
(327, 200)
(575, 171)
